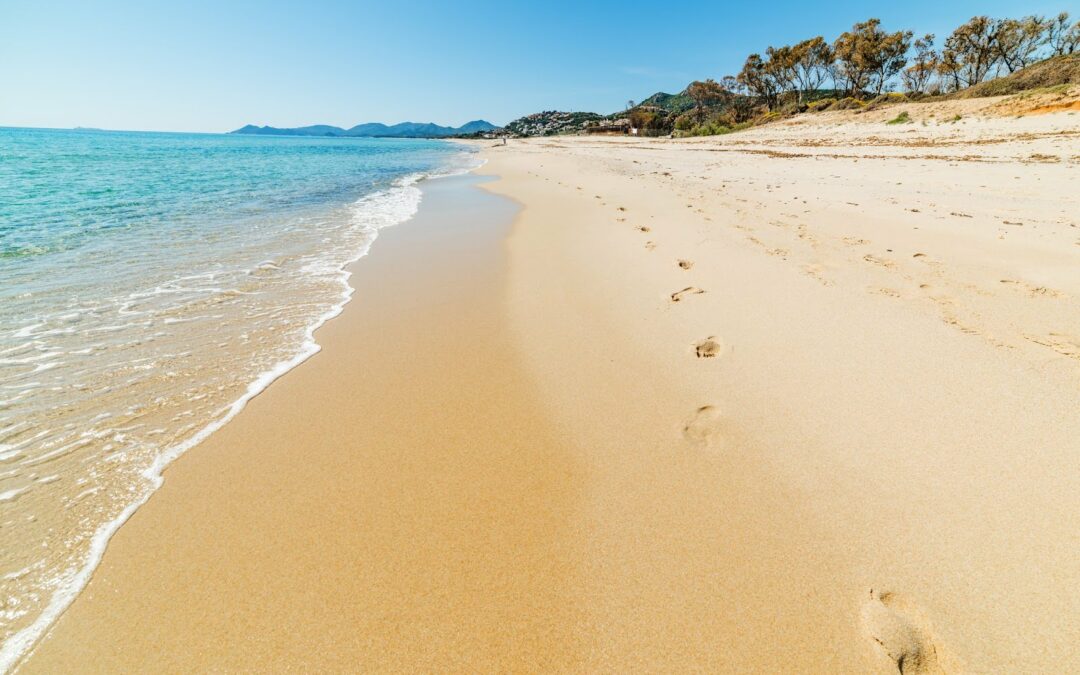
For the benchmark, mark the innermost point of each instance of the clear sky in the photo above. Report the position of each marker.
(203, 65)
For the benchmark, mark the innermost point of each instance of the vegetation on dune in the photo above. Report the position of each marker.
(982, 57)
(820, 104)
(1058, 71)
(886, 99)
(865, 65)
(848, 103)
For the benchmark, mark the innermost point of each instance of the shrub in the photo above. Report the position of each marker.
(792, 108)
(902, 118)
(685, 122)
(710, 129)
(891, 97)
(849, 103)
(713, 128)
(820, 104)
(886, 99)
(723, 119)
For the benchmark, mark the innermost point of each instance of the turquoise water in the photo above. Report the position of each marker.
(149, 285)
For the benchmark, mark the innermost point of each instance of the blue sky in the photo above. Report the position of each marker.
(214, 66)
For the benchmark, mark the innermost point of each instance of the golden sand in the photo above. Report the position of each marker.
(801, 399)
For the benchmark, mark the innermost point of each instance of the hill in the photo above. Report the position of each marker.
(673, 103)
(551, 122)
(372, 130)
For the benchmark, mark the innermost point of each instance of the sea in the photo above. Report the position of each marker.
(150, 285)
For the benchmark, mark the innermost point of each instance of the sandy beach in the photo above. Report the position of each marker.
(797, 399)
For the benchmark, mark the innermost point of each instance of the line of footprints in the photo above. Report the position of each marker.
(702, 428)
(894, 623)
(710, 347)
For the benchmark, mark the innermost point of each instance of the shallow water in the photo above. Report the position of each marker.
(149, 285)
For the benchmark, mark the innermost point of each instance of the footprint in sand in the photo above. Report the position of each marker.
(702, 429)
(709, 348)
(677, 296)
(902, 632)
(878, 260)
(644, 228)
(685, 264)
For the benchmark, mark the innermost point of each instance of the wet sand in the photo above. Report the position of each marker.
(395, 502)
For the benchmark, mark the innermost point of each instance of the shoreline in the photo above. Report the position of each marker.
(22, 643)
(476, 243)
(736, 404)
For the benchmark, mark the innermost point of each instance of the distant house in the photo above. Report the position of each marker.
(619, 127)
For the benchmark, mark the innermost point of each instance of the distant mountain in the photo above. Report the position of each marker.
(316, 130)
(373, 130)
(476, 126)
(369, 129)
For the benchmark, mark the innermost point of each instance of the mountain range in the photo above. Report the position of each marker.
(373, 129)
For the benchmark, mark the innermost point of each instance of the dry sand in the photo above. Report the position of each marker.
(799, 399)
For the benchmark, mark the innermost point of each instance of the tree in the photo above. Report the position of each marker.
(812, 63)
(925, 63)
(780, 66)
(742, 107)
(972, 50)
(1062, 35)
(649, 119)
(630, 104)
(705, 94)
(867, 57)
(951, 71)
(891, 58)
(758, 80)
(1019, 39)
(731, 84)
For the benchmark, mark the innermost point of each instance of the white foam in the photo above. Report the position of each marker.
(18, 348)
(27, 331)
(370, 214)
(10, 576)
(12, 495)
